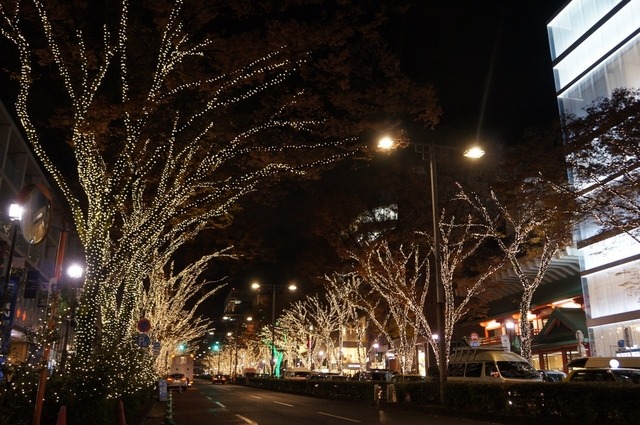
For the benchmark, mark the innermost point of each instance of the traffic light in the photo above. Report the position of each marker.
(215, 346)
(182, 346)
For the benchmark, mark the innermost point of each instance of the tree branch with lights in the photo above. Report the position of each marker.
(530, 234)
(343, 294)
(155, 165)
(399, 277)
(168, 127)
(164, 303)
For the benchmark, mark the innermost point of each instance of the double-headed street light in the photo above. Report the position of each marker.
(273, 288)
(428, 152)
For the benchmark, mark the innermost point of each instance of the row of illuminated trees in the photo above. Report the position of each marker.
(165, 142)
(390, 287)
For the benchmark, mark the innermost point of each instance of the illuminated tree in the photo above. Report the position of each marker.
(151, 175)
(166, 139)
(530, 234)
(319, 322)
(281, 343)
(461, 240)
(401, 278)
(298, 327)
(343, 295)
(164, 302)
(398, 277)
(256, 353)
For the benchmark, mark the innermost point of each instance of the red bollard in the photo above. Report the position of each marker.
(62, 416)
(121, 418)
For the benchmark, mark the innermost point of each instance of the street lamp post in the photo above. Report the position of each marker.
(15, 214)
(440, 310)
(74, 272)
(427, 150)
(273, 289)
(235, 340)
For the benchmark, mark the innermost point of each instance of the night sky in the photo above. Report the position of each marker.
(489, 61)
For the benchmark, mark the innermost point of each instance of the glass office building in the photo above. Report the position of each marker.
(595, 48)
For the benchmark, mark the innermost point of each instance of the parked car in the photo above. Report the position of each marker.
(297, 373)
(407, 378)
(552, 375)
(380, 375)
(604, 362)
(605, 374)
(327, 376)
(218, 378)
(177, 380)
(318, 376)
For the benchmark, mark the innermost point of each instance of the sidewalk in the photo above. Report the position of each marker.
(156, 415)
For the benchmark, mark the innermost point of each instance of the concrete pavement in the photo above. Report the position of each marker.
(157, 413)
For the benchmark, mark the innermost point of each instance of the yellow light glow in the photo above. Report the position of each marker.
(386, 143)
(568, 303)
(474, 152)
(490, 325)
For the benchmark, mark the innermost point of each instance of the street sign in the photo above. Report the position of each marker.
(162, 390)
(474, 340)
(143, 340)
(144, 325)
(506, 343)
(156, 348)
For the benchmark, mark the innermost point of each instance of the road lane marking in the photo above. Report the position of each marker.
(249, 421)
(284, 404)
(255, 396)
(339, 417)
(220, 404)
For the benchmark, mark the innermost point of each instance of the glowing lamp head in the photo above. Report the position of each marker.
(386, 143)
(75, 271)
(15, 212)
(474, 152)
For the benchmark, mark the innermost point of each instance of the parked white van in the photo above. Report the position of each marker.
(490, 365)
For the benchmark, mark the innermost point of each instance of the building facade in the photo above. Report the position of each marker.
(595, 48)
(30, 281)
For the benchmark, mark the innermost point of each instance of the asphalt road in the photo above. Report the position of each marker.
(208, 404)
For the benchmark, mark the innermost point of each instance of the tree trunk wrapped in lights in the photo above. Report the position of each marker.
(400, 278)
(299, 325)
(343, 294)
(386, 270)
(168, 132)
(312, 311)
(163, 303)
(537, 229)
